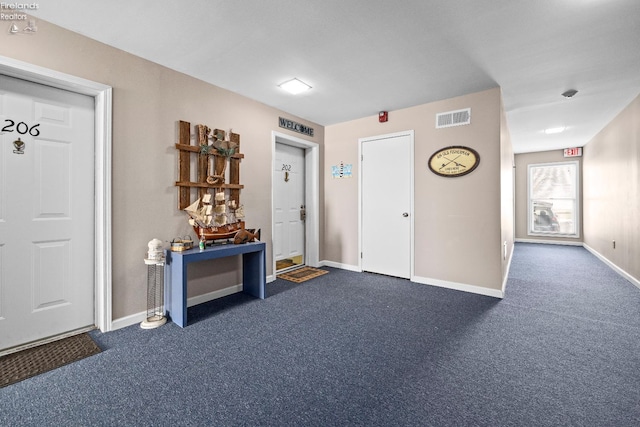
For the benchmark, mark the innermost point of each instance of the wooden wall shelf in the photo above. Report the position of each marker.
(186, 149)
(207, 185)
(196, 149)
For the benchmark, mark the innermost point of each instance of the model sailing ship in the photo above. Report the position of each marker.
(217, 215)
(213, 221)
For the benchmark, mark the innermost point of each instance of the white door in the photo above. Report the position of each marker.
(288, 187)
(46, 211)
(386, 168)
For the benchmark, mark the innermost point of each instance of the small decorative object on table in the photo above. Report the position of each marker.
(203, 243)
(244, 236)
(180, 244)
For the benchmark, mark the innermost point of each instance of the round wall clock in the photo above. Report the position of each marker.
(454, 161)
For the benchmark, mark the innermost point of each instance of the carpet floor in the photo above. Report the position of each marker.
(357, 349)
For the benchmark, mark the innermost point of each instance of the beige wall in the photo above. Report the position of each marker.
(523, 160)
(459, 231)
(611, 202)
(148, 101)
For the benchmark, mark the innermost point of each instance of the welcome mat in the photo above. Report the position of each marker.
(302, 274)
(27, 363)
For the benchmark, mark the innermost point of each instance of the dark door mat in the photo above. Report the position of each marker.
(302, 274)
(25, 364)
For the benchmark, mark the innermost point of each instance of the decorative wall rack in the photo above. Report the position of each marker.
(203, 167)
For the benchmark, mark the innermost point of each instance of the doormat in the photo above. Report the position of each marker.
(28, 363)
(302, 274)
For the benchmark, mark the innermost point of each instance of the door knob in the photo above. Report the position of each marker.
(405, 214)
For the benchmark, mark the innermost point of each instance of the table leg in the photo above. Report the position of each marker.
(178, 310)
(254, 273)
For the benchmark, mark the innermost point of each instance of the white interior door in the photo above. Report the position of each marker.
(386, 177)
(289, 199)
(46, 211)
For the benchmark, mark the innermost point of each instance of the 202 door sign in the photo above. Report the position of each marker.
(21, 127)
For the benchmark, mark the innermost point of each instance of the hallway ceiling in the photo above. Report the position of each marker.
(364, 56)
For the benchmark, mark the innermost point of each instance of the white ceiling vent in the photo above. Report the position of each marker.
(453, 118)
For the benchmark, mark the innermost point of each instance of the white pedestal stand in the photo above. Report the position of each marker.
(155, 286)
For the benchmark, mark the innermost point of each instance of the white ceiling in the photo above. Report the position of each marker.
(364, 56)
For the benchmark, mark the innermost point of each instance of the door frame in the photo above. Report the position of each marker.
(102, 95)
(311, 196)
(361, 141)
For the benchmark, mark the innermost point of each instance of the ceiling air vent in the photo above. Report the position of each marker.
(453, 118)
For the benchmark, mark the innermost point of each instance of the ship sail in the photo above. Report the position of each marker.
(200, 215)
(193, 207)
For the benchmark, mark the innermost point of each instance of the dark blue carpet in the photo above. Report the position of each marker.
(562, 348)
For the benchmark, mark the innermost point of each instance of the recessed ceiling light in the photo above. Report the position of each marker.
(550, 131)
(294, 86)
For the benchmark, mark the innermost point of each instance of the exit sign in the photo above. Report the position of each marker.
(573, 152)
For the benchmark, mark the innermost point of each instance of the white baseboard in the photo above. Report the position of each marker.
(129, 320)
(132, 319)
(333, 264)
(550, 242)
(199, 299)
(614, 267)
(496, 293)
(135, 318)
(506, 275)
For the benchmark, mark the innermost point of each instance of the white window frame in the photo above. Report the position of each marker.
(530, 220)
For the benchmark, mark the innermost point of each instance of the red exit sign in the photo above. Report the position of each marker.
(573, 152)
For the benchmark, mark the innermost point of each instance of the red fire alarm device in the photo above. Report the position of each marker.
(383, 116)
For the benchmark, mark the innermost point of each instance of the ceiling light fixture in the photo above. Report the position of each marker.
(294, 86)
(569, 93)
(551, 131)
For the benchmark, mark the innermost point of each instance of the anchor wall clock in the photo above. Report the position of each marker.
(454, 161)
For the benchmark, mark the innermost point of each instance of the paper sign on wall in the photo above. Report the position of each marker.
(341, 170)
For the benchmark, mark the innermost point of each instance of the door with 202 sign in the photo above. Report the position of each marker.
(289, 207)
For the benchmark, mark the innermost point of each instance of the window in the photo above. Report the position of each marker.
(553, 199)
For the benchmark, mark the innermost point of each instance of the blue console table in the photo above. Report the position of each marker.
(253, 273)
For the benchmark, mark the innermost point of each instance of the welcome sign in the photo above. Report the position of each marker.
(295, 126)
